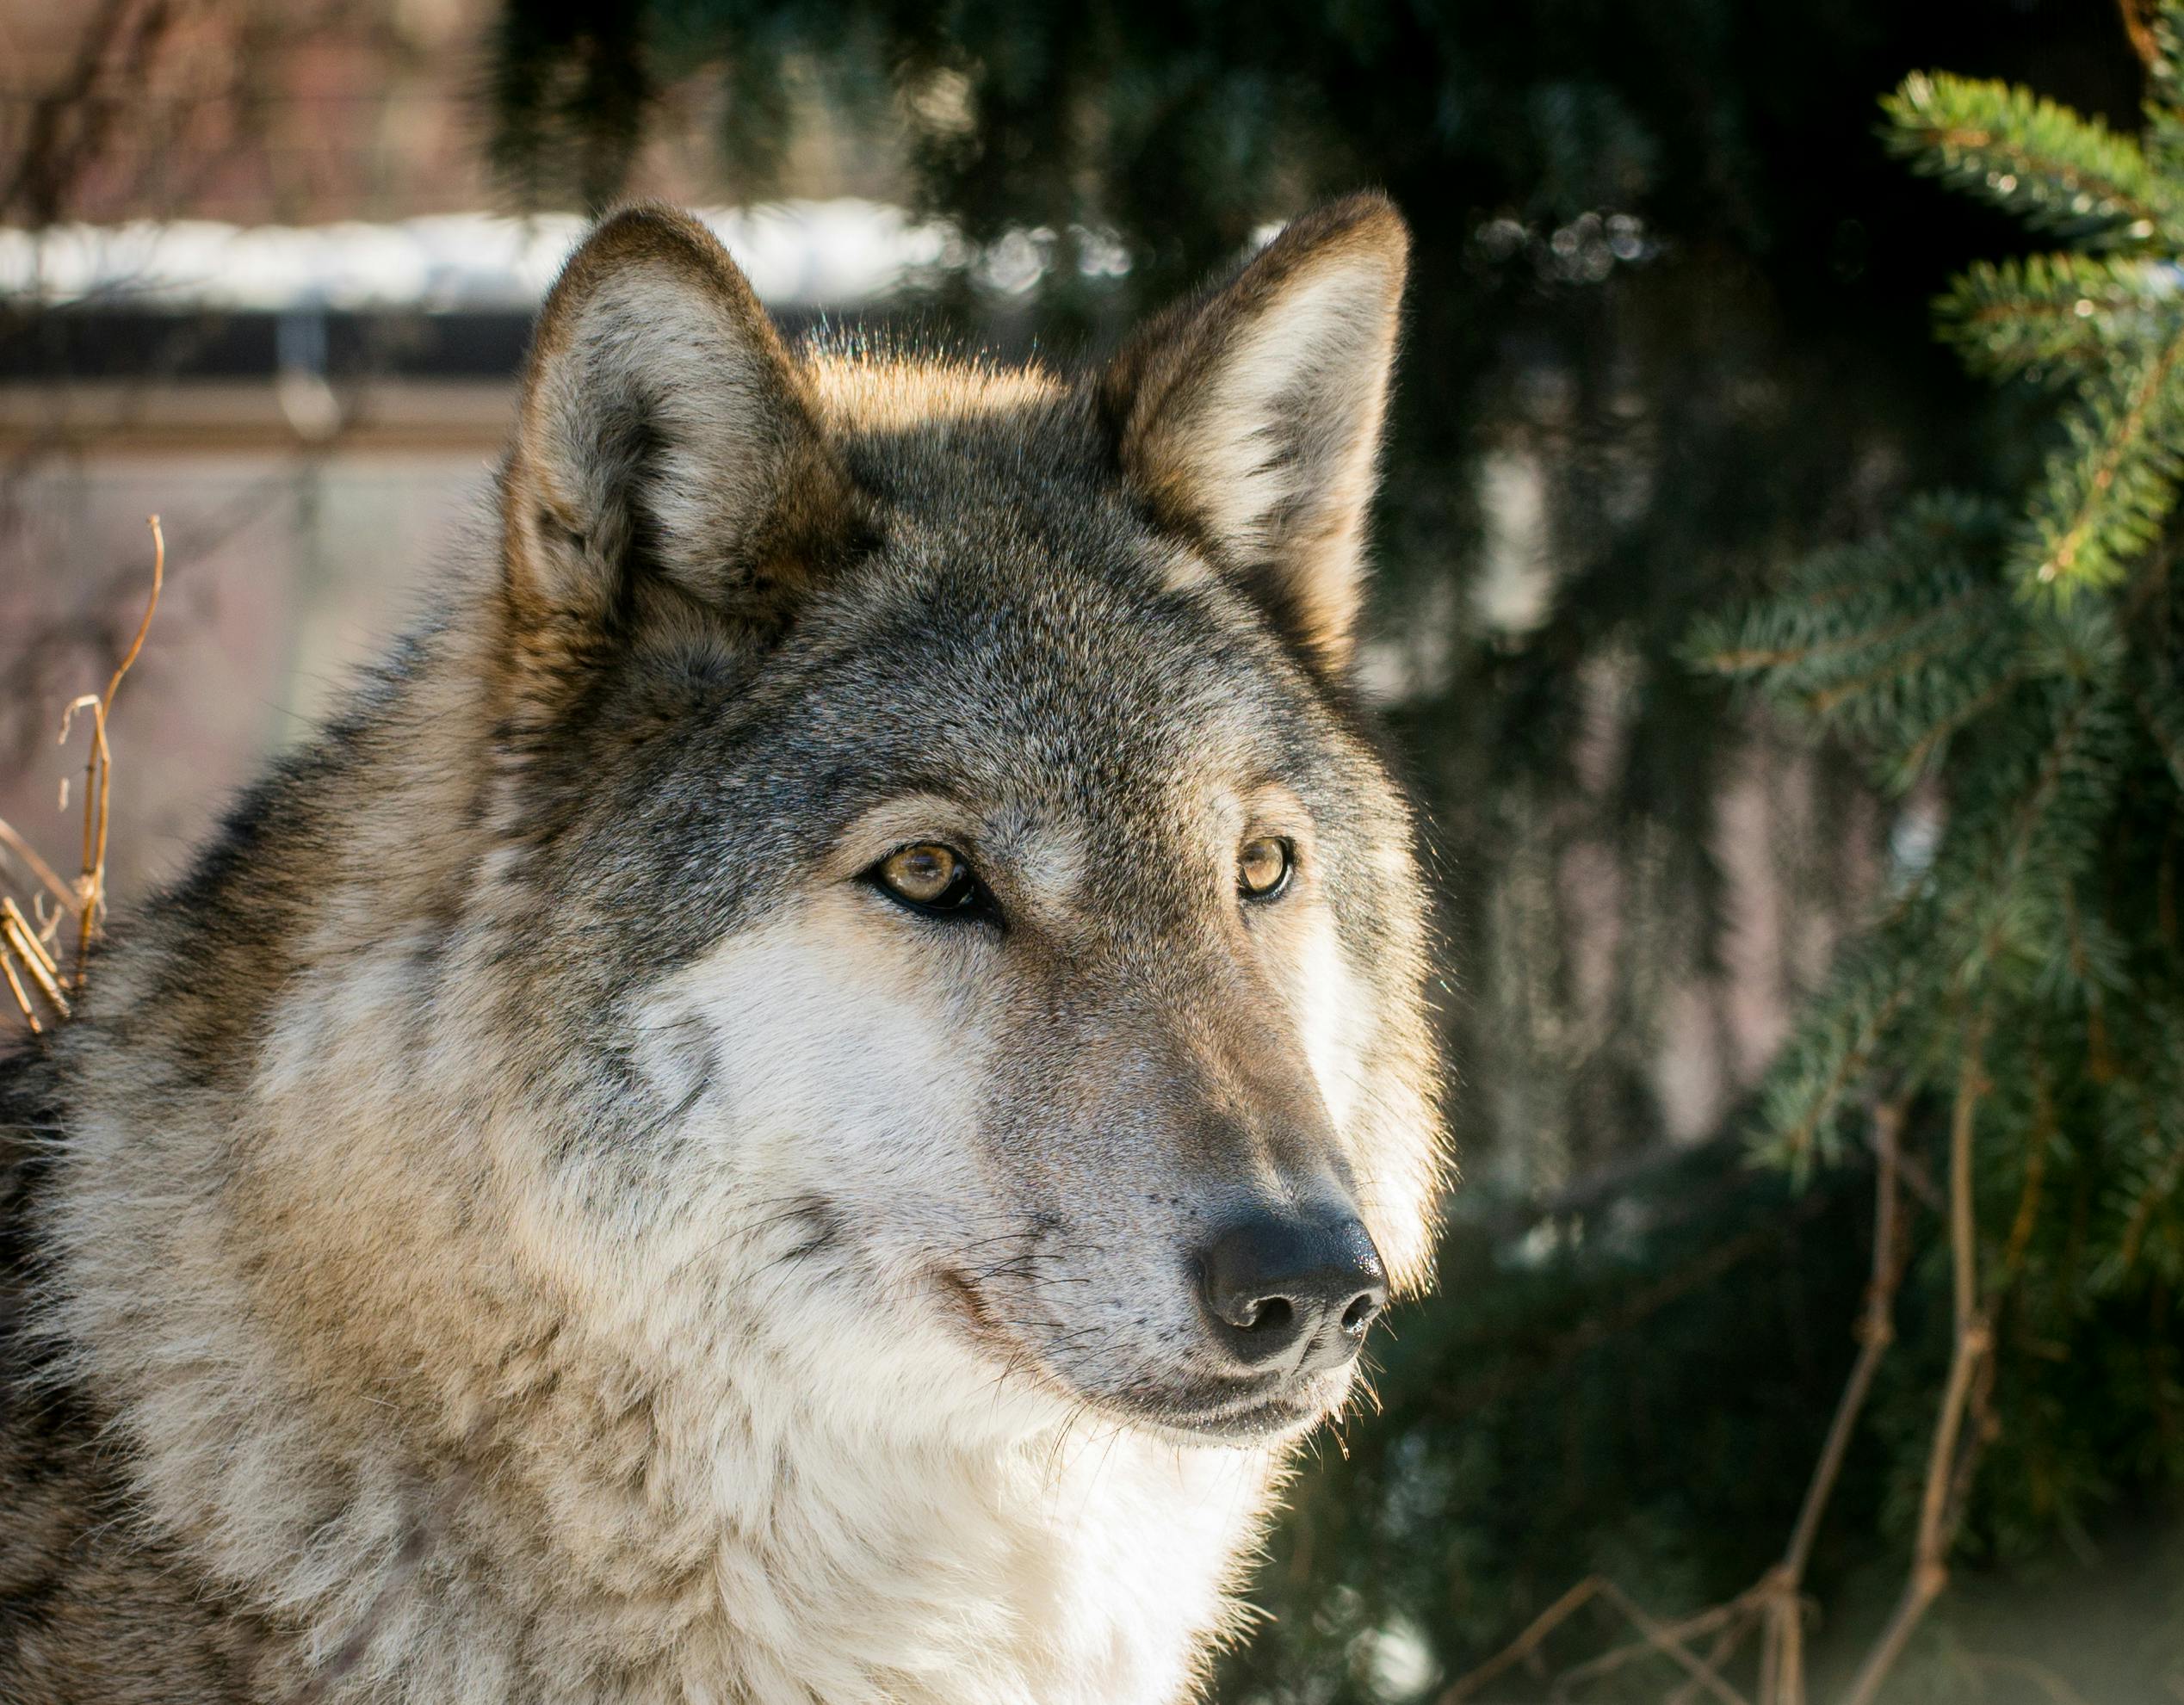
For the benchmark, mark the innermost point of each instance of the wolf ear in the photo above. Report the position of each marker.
(1250, 417)
(667, 463)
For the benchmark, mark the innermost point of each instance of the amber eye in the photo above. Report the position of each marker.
(930, 877)
(1263, 868)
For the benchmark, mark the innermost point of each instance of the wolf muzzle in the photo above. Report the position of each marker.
(1293, 1289)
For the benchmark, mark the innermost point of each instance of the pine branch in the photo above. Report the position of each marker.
(1912, 762)
(2053, 313)
(2144, 1203)
(1831, 1055)
(2026, 821)
(2165, 69)
(1899, 643)
(2053, 730)
(2093, 965)
(2106, 489)
(2138, 27)
(2031, 157)
(2163, 717)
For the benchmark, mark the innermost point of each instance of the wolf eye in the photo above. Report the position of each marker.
(928, 877)
(1263, 868)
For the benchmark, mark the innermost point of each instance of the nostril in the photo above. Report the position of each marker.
(1269, 1314)
(1361, 1312)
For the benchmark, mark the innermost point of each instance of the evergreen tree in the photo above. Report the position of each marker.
(2009, 673)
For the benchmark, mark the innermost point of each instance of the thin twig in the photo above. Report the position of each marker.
(1666, 1639)
(1464, 1687)
(1685, 1629)
(1777, 1595)
(1782, 1675)
(1950, 1464)
(1774, 1601)
(1724, 1649)
(1668, 1645)
(1876, 1332)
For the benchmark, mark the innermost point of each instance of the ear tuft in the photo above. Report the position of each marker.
(1250, 417)
(666, 456)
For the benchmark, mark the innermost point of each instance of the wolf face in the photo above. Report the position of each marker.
(938, 791)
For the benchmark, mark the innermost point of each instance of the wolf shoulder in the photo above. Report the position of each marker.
(91, 1608)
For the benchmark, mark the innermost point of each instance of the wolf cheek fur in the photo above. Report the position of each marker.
(804, 1096)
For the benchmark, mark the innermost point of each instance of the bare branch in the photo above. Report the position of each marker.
(1952, 1459)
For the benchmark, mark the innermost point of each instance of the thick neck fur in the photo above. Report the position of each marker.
(381, 1379)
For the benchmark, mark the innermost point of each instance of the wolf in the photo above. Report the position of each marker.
(805, 1095)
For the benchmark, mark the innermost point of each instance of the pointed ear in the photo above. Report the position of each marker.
(1250, 417)
(668, 465)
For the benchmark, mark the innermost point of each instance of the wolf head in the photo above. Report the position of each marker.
(937, 791)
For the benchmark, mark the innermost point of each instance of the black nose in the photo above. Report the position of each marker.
(1277, 1280)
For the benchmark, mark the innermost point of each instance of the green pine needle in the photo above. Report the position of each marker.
(2052, 316)
(2038, 159)
(2108, 488)
(2165, 75)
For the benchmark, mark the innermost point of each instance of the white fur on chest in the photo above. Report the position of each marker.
(1083, 1570)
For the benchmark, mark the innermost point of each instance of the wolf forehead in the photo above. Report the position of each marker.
(1000, 479)
(1014, 628)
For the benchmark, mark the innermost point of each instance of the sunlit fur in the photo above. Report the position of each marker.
(528, 1219)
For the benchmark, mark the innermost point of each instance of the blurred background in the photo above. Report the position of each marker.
(266, 267)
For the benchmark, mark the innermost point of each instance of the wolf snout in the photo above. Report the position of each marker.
(1291, 1286)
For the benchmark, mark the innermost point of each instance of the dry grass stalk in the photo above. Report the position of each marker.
(24, 950)
(43, 872)
(98, 768)
(16, 988)
(23, 943)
